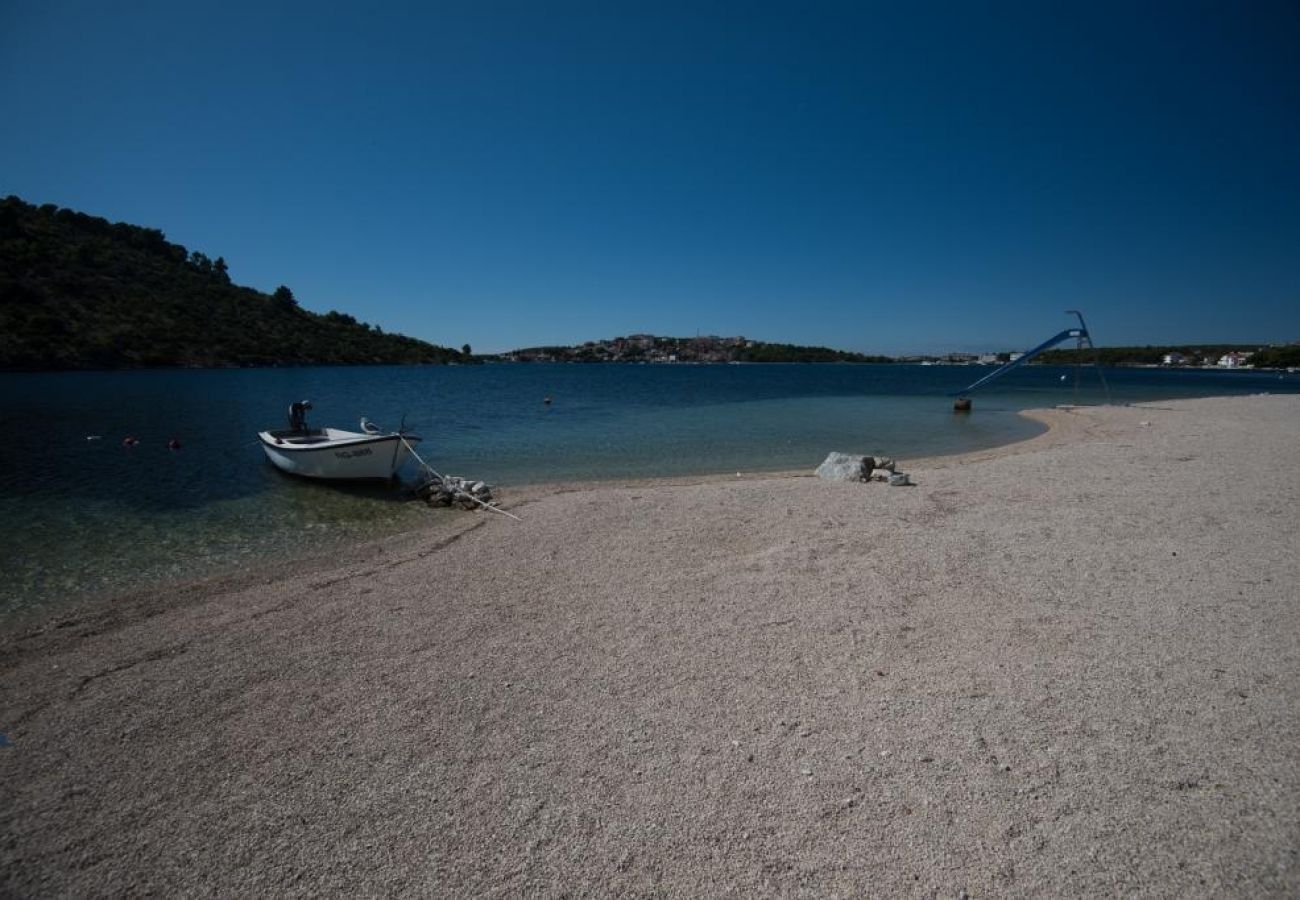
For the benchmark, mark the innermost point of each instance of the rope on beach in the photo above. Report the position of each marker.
(452, 486)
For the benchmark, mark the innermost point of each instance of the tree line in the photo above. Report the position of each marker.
(80, 292)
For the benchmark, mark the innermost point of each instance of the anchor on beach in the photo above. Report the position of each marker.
(1082, 338)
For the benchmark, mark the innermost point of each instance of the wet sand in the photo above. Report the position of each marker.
(1070, 666)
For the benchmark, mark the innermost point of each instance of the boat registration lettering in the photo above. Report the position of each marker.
(353, 454)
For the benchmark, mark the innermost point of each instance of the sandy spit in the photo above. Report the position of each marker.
(1070, 667)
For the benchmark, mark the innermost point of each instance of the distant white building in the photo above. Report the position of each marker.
(1174, 359)
(1231, 360)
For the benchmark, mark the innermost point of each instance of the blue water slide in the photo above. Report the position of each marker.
(1048, 344)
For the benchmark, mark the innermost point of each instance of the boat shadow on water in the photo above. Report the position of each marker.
(399, 489)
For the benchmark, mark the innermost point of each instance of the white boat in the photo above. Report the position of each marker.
(335, 454)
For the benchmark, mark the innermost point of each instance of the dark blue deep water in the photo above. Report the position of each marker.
(86, 518)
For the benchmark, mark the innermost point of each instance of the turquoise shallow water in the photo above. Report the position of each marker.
(90, 518)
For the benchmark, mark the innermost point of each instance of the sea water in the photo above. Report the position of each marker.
(86, 516)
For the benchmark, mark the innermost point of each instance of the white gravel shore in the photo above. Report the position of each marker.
(1068, 667)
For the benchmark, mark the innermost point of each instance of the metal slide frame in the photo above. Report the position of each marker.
(1080, 334)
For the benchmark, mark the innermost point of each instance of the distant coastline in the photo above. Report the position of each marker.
(658, 349)
(83, 293)
(651, 348)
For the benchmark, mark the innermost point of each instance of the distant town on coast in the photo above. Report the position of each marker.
(649, 348)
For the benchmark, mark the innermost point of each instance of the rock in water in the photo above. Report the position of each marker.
(845, 467)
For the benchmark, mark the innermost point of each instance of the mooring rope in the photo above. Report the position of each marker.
(458, 491)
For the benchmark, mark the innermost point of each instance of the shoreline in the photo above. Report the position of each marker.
(1064, 667)
(98, 613)
(118, 608)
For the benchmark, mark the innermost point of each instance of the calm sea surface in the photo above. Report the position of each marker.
(88, 517)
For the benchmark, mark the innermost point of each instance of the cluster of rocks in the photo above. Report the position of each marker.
(847, 467)
(452, 490)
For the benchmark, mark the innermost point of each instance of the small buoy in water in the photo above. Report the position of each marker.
(1062, 377)
(962, 404)
(173, 444)
(94, 437)
(129, 441)
(546, 400)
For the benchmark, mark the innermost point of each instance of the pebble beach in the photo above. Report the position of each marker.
(1068, 666)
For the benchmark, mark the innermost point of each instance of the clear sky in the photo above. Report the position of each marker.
(884, 177)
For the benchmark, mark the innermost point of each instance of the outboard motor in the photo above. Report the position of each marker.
(298, 415)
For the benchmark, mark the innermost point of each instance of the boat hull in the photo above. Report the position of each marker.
(359, 458)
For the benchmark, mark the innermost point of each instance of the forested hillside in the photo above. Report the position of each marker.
(79, 292)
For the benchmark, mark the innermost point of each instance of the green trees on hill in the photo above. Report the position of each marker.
(649, 348)
(79, 292)
(763, 352)
(1277, 357)
(284, 298)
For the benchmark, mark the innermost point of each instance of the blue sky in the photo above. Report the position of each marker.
(891, 178)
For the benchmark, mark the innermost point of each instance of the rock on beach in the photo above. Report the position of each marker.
(845, 467)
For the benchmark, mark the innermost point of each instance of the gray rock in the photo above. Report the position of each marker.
(845, 467)
(900, 480)
(879, 474)
(885, 463)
